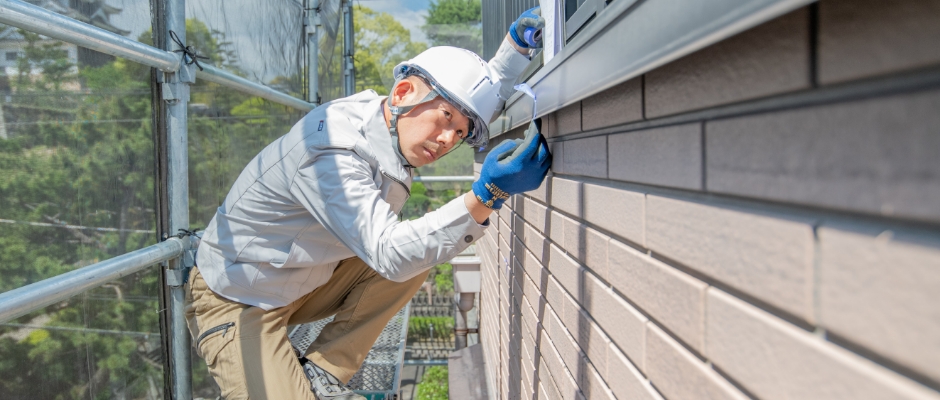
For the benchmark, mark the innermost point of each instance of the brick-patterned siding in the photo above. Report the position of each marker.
(760, 219)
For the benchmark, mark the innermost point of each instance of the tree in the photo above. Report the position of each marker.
(418, 203)
(229, 127)
(455, 23)
(434, 384)
(444, 278)
(48, 59)
(381, 42)
(83, 159)
(78, 159)
(207, 43)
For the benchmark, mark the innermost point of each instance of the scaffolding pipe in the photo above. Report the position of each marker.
(32, 297)
(313, 52)
(35, 19)
(464, 303)
(243, 85)
(176, 94)
(348, 50)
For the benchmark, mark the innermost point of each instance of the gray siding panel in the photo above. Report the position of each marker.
(770, 59)
(863, 38)
(875, 156)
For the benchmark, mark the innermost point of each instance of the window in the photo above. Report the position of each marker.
(12, 55)
(579, 12)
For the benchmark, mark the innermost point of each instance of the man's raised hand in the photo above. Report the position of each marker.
(513, 167)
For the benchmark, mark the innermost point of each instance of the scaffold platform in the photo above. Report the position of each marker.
(380, 374)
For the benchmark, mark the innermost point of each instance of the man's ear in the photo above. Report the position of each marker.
(401, 90)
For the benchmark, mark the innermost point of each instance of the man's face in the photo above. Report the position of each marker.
(429, 130)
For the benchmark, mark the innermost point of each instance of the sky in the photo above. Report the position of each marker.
(256, 27)
(410, 13)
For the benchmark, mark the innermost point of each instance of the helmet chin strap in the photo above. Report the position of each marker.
(393, 129)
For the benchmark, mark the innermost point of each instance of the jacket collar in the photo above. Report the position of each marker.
(377, 134)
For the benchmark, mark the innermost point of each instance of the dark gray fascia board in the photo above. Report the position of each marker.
(629, 38)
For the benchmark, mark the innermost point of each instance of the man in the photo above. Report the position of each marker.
(310, 227)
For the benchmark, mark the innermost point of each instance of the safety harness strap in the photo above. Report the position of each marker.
(396, 111)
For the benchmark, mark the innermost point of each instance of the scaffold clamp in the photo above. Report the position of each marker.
(176, 277)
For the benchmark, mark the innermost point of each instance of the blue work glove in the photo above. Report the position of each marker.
(527, 30)
(513, 167)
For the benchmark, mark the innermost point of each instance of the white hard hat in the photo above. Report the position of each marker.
(463, 79)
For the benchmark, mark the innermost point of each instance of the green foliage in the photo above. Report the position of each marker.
(381, 42)
(434, 384)
(446, 12)
(44, 65)
(210, 44)
(418, 203)
(431, 196)
(455, 23)
(206, 42)
(444, 278)
(430, 328)
(78, 158)
(457, 162)
(78, 150)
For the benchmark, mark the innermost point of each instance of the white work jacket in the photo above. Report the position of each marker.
(328, 190)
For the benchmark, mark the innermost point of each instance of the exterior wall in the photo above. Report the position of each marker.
(760, 219)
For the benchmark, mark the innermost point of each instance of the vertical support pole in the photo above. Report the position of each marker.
(464, 303)
(348, 49)
(176, 94)
(313, 52)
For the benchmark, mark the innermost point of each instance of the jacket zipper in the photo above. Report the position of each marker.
(223, 327)
(403, 185)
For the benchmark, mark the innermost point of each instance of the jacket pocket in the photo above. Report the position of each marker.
(302, 254)
(394, 191)
(212, 341)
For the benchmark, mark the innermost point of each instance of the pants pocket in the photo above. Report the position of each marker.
(213, 340)
(217, 345)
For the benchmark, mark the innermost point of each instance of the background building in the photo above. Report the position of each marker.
(93, 12)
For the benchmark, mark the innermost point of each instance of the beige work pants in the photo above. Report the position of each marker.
(247, 349)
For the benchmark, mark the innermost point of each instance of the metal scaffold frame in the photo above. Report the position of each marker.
(35, 19)
(21, 301)
(175, 253)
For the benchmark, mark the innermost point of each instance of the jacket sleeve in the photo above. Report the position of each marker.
(507, 64)
(337, 187)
